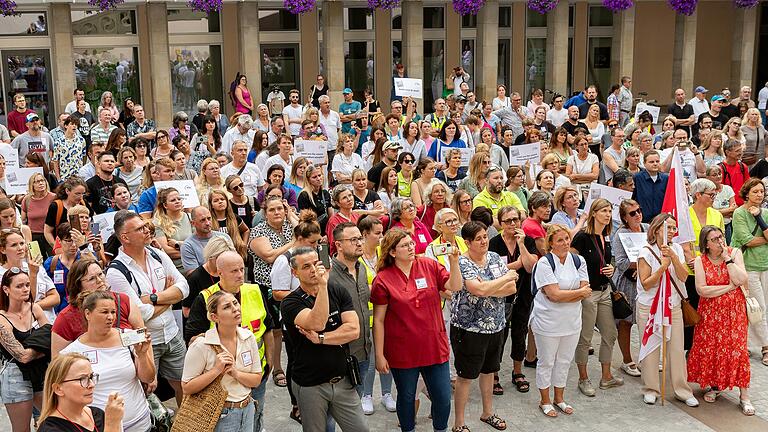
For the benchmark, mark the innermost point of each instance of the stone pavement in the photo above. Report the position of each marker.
(621, 409)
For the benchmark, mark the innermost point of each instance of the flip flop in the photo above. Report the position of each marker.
(548, 410)
(564, 407)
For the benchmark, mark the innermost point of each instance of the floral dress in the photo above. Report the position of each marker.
(719, 355)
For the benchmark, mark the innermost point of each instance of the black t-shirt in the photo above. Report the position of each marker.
(198, 280)
(571, 129)
(315, 364)
(100, 193)
(524, 278)
(374, 174)
(587, 245)
(322, 202)
(57, 424)
(453, 182)
(198, 322)
(370, 198)
(584, 108)
(681, 113)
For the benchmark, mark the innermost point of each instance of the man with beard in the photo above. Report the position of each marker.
(494, 196)
(591, 95)
(34, 140)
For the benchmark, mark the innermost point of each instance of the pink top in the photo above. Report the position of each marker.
(247, 98)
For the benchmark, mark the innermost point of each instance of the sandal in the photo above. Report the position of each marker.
(548, 410)
(498, 390)
(278, 376)
(711, 395)
(564, 407)
(521, 383)
(746, 407)
(295, 414)
(495, 422)
(462, 428)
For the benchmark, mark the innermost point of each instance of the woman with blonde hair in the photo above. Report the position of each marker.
(225, 220)
(68, 395)
(172, 224)
(209, 179)
(474, 182)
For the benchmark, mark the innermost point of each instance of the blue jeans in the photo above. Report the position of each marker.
(438, 381)
(236, 419)
(258, 394)
(370, 375)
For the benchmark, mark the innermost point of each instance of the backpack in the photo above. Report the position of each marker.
(551, 258)
(121, 267)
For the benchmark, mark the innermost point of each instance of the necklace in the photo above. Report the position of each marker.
(96, 429)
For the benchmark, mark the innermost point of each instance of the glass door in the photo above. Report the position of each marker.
(28, 72)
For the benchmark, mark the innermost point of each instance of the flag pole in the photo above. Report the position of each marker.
(663, 332)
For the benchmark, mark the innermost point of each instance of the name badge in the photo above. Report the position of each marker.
(58, 277)
(241, 211)
(422, 238)
(421, 283)
(93, 356)
(247, 358)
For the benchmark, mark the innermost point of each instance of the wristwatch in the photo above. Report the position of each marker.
(153, 299)
(321, 336)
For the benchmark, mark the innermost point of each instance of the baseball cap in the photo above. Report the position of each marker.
(700, 89)
(32, 117)
(245, 120)
(347, 90)
(718, 97)
(391, 145)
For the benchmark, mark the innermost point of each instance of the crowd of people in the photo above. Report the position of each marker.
(414, 226)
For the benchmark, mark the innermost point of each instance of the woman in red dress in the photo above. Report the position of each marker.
(719, 359)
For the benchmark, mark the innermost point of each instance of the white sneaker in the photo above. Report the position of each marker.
(367, 402)
(388, 402)
(649, 398)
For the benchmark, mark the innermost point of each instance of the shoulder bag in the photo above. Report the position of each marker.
(200, 412)
(690, 316)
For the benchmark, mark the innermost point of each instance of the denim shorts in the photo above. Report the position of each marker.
(13, 387)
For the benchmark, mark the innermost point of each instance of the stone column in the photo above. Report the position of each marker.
(623, 45)
(580, 43)
(518, 48)
(743, 64)
(62, 55)
(309, 51)
(452, 39)
(230, 51)
(158, 105)
(333, 49)
(413, 40)
(487, 51)
(557, 49)
(382, 57)
(250, 48)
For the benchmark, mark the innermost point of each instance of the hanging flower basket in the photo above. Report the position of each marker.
(683, 7)
(542, 6)
(618, 5)
(297, 7)
(104, 5)
(468, 7)
(207, 6)
(383, 4)
(7, 7)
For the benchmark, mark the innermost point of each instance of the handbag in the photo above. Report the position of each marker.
(690, 315)
(200, 412)
(754, 310)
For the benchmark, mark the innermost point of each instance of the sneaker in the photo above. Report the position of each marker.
(367, 402)
(586, 387)
(649, 398)
(388, 402)
(630, 369)
(613, 382)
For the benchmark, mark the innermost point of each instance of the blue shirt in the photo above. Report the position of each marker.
(650, 194)
(347, 109)
(148, 200)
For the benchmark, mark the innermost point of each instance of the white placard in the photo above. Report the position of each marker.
(106, 223)
(314, 151)
(17, 179)
(614, 195)
(520, 154)
(632, 243)
(653, 110)
(409, 87)
(186, 190)
(466, 154)
(11, 156)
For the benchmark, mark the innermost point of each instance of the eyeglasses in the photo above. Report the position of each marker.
(510, 221)
(352, 239)
(86, 380)
(634, 213)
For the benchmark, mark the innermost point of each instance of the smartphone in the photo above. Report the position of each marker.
(441, 249)
(95, 228)
(133, 337)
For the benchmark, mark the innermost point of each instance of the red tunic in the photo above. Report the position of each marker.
(414, 330)
(719, 355)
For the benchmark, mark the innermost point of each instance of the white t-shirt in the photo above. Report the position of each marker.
(293, 113)
(332, 124)
(345, 165)
(557, 117)
(557, 319)
(116, 374)
(645, 297)
(251, 177)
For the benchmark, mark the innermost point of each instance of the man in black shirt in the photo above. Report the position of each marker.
(682, 111)
(100, 186)
(320, 321)
(591, 95)
(389, 153)
(572, 123)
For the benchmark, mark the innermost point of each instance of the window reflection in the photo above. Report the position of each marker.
(108, 69)
(195, 74)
